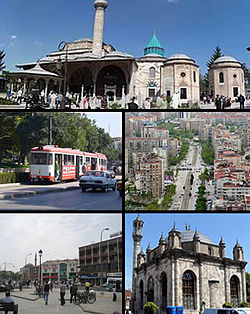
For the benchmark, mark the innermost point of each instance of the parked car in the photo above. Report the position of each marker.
(98, 180)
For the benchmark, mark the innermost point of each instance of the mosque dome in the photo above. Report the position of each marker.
(154, 47)
(226, 59)
(188, 235)
(179, 56)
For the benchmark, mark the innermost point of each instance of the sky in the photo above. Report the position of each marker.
(58, 235)
(111, 121)
(31, 29)
(231, 226)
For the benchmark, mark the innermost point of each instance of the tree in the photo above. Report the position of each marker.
(2, 55)
(216, 54)
(246, 73)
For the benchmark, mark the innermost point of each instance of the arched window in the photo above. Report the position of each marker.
(234, 290)
(152, 72)
(188, 290)
(150, 294)
(210, 251)
(221, 78)
(194, 76)
(163, 282)
(141, 294)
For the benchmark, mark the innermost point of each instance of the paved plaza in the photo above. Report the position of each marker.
(31, 304)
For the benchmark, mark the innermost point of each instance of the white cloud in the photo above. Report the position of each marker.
(172, 1)
(13, 37)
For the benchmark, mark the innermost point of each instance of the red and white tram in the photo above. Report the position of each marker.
(54, 164)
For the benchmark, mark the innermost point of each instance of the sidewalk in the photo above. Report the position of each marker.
(8, 191)
(31, 304)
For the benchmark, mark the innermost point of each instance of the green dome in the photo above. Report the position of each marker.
(154, 47)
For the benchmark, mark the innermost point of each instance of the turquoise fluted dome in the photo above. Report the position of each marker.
(154, 47)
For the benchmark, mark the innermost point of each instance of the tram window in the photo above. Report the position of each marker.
(93, 160)
(88, 160)
(81, 160)
(41, 159)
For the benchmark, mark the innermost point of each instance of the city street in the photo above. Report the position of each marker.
(30, 304)
(192, 164)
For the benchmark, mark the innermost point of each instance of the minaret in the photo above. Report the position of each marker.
(100, 6)
(137, 236)
(238, 252)
(35, 259)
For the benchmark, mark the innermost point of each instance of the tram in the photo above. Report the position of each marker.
(54, 164)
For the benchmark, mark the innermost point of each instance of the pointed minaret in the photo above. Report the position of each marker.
(162, 243)
(197, 242)
(137, 236)
(100, 7)
(174, 238)
(238, 252)
(35, 259)
(222, 248)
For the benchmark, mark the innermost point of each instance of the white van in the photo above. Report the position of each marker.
(242, 310)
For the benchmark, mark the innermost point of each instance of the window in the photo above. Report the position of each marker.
(188, 290)
(183, 93)
(152, 72)
(41, 159)
(235, 91)
(234, 290)
(150, 293)
(210, 251)
(87, 160)
(151, 92)
(183, 74)
(194, 76)
(234, 75)
(69, 160)
(168, 93)
(221, 78)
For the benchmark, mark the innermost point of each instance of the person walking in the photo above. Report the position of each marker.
(51, 285)
(62, 292)
(241, 101)
(73, 292)
(132, 105)
(46, 292)
(84, 169)
(57, 170)
(114, 295)
(217, 102)
(19, 96)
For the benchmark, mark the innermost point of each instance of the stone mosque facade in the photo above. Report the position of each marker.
(98, 69)
(186, 269)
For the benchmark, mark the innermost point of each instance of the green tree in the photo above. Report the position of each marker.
(248, 286)
(216, 54)
(2, 55)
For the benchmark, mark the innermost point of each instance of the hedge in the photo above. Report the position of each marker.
(13, 177)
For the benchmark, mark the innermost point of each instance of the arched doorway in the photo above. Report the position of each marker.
(163, 283)
(188, 290)
(234, 290)
(150, 292)
(110, 82)
(81, 76)
(141, 291)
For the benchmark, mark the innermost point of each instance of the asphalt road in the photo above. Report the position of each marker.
(68, 200)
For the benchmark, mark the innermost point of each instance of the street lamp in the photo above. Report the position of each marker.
(61, 47)
(105, 229)
(40, 272)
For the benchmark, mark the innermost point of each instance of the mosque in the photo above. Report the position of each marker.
(98, 69)
(186, 269)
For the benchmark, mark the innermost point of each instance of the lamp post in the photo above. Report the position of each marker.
(61, 47)
(105, 229)
(40, 272)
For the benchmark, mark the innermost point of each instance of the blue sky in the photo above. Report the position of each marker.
(230, 226)
(31, 29)
(108, 121)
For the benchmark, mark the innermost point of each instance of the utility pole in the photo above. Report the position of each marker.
(50, 130)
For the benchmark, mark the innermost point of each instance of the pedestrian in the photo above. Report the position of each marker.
(19, 96)
(84, 169)
(87, 285)
(73, 292)
(114, 295)
(8, 96)
(51, 285)
(104, 103)
(57, 167)
(53, 100)
(147, 103)
(229, 102)
(217, 102)
(241, 100)
(132, 105)
(62, 292)
(43, 96)
(46, 292)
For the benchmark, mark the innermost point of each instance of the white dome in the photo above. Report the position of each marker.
(188, 235)
(179, 56)
(226, 59)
